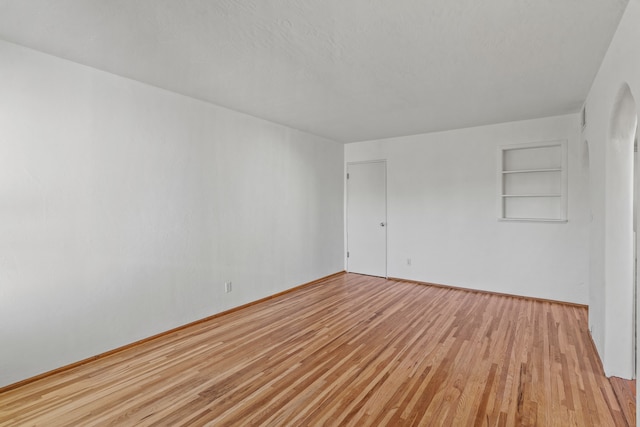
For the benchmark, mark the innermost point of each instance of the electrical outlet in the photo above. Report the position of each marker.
(227, 287)
(408, 261)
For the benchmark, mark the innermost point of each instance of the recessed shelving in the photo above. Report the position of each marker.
(532, 182)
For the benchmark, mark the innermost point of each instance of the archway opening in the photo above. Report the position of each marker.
(621, 243)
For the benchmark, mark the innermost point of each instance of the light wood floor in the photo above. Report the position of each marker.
(625, 392)
(352, 350)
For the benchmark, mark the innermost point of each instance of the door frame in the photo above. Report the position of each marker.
(386, 214)
(635, 229)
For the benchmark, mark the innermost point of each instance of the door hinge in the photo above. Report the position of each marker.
(347, 176)
(347, 254)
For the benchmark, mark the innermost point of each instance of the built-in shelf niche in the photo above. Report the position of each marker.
(532, 182)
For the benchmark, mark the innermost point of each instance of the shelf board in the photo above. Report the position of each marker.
(533, 219)
(533, 170)
(531, 195)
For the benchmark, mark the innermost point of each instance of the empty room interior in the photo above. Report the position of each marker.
(304, 212)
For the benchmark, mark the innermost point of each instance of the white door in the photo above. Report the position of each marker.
(367, 218)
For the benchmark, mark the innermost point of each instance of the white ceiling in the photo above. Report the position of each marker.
(349, 70)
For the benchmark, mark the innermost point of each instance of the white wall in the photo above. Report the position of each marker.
(124, 208)
(611, 262)
(442, 212)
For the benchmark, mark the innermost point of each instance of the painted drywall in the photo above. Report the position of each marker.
(124, 208)
(442, 212)
(611, 258)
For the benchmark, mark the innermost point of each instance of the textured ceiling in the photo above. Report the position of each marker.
(349, 70)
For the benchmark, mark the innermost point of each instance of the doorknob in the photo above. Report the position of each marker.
(382, 224)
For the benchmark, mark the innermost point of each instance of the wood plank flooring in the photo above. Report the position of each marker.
(352, 350)
(625, 392)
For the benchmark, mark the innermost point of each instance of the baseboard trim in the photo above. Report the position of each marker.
(480, 291)
(162, 334)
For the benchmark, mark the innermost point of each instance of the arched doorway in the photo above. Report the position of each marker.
(622, 190)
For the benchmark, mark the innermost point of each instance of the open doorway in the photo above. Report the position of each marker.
(622, 200)
(636, 197)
